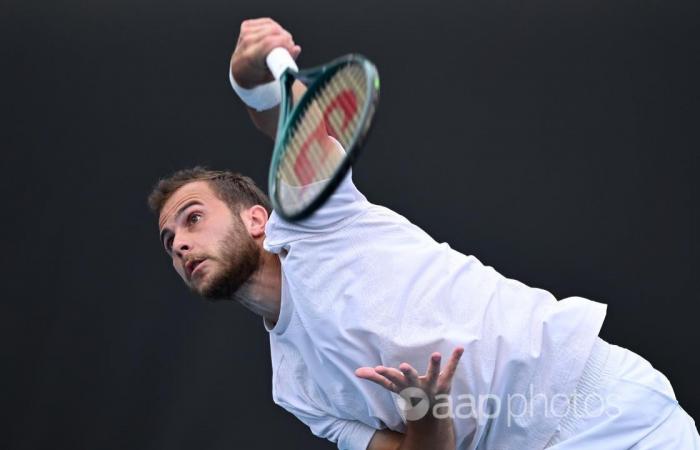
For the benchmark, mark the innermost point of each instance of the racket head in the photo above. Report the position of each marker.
(340, 102)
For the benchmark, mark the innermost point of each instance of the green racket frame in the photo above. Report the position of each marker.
(315, 78)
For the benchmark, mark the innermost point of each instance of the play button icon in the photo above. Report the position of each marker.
(414, 403)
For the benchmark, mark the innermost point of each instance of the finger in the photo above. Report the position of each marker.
(257, 35)
(296, 51)
(410, 373)
(262, 33)
(263, 30)
(433, 368)
(368, 373)
(257, 22)
(394, 375)
(451, 366)
(253, 25)
(270, 42)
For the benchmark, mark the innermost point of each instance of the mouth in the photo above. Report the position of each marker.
(192, 265)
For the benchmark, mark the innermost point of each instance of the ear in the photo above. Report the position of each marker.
(255, 218)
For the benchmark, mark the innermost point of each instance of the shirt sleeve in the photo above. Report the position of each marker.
(342, 207)
(295, 391)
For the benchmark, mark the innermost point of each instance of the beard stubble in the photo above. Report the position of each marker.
(239, 259)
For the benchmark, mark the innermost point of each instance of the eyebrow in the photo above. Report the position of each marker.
(167, 231)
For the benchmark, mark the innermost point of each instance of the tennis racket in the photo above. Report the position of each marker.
(320, 135)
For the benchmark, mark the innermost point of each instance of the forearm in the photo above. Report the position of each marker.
(429, 433)
(433, 434)
(266, 121)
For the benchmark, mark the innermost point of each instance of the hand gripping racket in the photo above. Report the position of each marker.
(337, 108)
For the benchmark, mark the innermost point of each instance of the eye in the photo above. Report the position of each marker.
(169, 244)
(194, 218)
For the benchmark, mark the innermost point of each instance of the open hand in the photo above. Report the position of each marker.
(433, 383)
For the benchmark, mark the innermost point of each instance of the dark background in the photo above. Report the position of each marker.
(554, 140)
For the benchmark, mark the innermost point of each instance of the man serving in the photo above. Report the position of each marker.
(360, 306)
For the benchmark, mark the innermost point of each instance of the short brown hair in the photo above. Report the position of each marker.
(233, 188)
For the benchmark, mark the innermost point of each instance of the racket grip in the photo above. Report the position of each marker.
(279, 60)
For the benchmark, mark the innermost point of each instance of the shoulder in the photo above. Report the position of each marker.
(342, 207)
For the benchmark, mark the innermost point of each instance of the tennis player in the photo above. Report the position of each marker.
(360, 306)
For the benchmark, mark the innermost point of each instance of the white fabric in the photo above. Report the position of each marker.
(262, 97)
(362, 286)
(633, 407)
(279, 60)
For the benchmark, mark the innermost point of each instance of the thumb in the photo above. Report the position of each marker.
(295, 51)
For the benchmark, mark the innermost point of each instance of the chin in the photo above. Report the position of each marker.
(213, 285)
(224, 276)
(203, 285)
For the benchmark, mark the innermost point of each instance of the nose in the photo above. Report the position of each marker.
(181, 245)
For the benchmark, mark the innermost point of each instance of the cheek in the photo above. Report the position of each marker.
(214, 267)
(212, 244)
(221, 238)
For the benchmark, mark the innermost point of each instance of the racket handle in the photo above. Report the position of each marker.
(279, 60)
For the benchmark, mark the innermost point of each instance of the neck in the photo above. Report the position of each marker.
(262, 293)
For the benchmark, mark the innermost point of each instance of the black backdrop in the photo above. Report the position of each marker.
(554, 140)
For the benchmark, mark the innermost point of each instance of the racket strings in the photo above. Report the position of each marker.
(334, 110)
(315, 122)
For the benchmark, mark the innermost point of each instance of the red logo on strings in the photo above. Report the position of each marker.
(346, 102)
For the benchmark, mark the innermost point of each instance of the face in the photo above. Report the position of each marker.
(210, 246)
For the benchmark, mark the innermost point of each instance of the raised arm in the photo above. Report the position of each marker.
(256, 39)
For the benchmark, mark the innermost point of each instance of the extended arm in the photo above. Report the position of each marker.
(249, 70)
(256, 39)
(266, 121)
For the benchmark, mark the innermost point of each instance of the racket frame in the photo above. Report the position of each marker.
(315, 78)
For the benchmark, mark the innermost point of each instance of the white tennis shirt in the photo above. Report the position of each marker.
(362, 286)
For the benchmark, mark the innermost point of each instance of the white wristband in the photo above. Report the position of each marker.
(260, 98)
